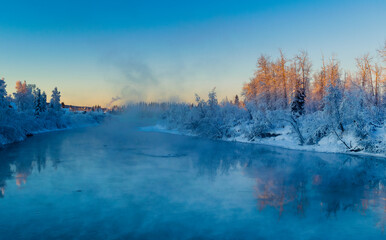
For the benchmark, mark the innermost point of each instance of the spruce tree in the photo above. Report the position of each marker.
(37, 102)
(55, 100)
(3, 94)
(237, 101)
(297, 106)
(43, 102)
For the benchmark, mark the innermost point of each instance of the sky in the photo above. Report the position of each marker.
(149, 50)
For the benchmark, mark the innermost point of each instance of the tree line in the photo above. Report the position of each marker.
(289, 82)
(287, 92)
(29, 98)
(27, 111)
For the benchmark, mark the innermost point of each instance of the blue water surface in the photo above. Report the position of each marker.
(116, 182)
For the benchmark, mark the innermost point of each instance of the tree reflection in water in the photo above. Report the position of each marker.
(285, 180)
(18, 165)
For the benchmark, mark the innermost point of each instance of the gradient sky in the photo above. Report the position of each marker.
(169, 50)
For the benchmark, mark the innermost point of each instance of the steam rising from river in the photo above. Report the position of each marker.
(135, 80)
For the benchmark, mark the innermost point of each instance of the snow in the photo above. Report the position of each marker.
(328, 144)
(27, 112)
(346, 122)
(19, 125)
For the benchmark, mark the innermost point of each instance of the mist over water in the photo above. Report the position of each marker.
(116, 182)
(135, 79)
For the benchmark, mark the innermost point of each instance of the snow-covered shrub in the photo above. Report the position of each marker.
(315, 126)
(359, 114)
(258, 121)
(333, 107)
(206, 118)
(233, 117)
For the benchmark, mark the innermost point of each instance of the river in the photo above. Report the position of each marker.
(110, 182)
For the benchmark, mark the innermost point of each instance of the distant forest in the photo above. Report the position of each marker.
(27, 111)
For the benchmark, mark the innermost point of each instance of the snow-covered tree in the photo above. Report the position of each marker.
(364, 65)
(237, 101)
(212, 100)
(259, 88)
(18, 116)
(298, 102)
(333, 105)
(301, 83)
(377, 85)
(3, 94)
(55, 100)
(43, 102)
(23, 96)
(282, 78)
(382, 52)
(39, 102)
(350, 110)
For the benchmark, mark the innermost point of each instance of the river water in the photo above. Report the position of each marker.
(110, 182)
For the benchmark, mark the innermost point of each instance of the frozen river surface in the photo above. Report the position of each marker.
(111, 182)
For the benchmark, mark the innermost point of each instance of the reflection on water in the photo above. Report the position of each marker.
(17, 161)
(284, 181)
(142, 185)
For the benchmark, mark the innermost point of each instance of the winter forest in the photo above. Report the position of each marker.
(27, 111)
(291, 103)
(288, 102)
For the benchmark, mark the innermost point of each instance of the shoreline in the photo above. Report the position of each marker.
(281, 144)
(38, 132)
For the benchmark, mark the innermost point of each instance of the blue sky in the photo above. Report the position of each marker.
(161, 50)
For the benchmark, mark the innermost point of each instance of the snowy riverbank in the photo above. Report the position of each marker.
(27, 112)
(287, 139)
(22, 128)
